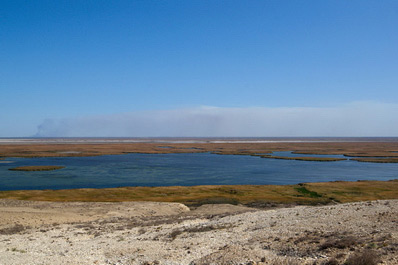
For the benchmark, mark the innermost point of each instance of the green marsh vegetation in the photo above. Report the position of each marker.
(262, 195)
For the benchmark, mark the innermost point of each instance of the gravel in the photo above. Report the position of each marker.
(169, 233)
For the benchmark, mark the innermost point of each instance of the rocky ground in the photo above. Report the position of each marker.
(171, 233)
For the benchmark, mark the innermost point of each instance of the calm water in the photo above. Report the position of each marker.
(183, 169)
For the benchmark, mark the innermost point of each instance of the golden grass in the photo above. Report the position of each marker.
(357, 191)
(361, 149)
(36, 168)
(348, 148)
(245, 194)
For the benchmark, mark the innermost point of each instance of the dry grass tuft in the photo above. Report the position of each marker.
(197, 229)
(368, 257)
(16, 229)
(339, 243)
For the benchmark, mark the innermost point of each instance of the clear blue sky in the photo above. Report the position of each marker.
(72, 59)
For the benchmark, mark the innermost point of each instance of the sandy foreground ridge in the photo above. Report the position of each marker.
(171, 233)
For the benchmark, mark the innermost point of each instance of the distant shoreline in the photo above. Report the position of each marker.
(99, 140)
(375, 148)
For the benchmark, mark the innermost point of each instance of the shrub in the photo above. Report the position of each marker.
(365, 258)
(341, 243)
(175, 233)
(12, 230)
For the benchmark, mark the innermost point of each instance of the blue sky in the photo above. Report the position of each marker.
(64, 62)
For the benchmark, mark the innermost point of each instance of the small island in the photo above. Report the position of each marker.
(36, 168)
(377, 159)
(305, 158)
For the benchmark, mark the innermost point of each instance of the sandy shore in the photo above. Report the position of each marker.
(171, 233)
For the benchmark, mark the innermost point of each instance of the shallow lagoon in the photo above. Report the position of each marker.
(183, 169)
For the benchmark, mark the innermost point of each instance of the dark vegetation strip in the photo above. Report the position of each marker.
(317, 159)
(36, 168)
(17, 228)
(377, 160)
(303, 190)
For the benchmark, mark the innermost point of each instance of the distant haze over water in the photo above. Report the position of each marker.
(32, 140)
